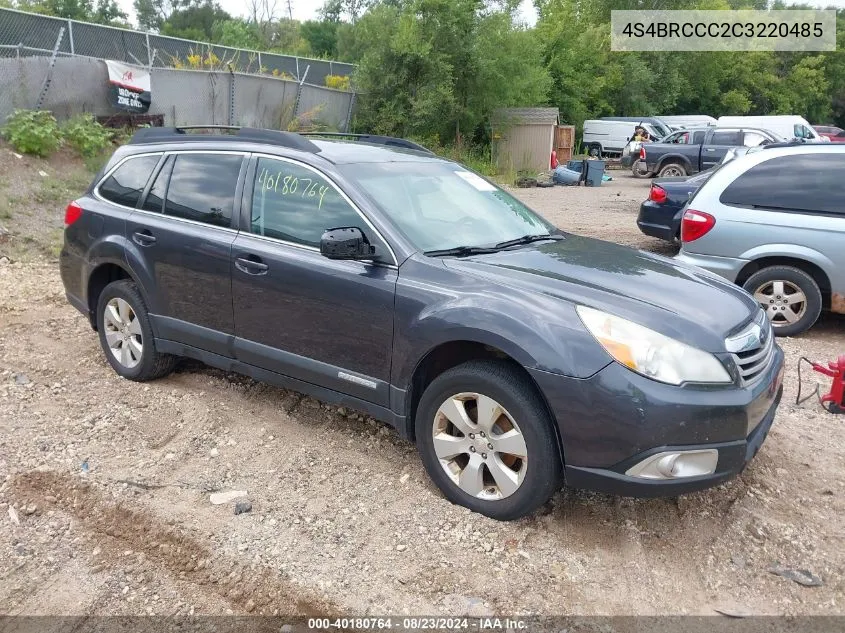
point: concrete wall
(184, 97)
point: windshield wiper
(462, 251)
(527, 239)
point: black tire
(509, 387)
(639, 170)
(672, 168)
(152, 364)
(804, 282)
(594, 150)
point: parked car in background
(688, 120)
(660, 127)
(390, 280)
(787, 126)
(830, 131)
(773, 221)
(687, 152)
(660, 214)
(609, 138)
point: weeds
(86, 136)
(32, 132)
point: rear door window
(126, 183)
(733, 137)
(805, 182)
(753, 139)
(202, 187)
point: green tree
(152, 14)
(440, 67)
(237, 33)
(195, 22)
(321, 37)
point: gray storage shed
(523, 138)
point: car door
(327, 322)
(720, 142)
(180, 242)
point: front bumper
(727, 267)
(617, 418)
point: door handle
(251, 265)
(709, 150)
(143, 238)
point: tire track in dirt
(114, 528)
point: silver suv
(773, 221)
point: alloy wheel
(784, 302)
(480, 446)
(123, 332)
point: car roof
(336, 148)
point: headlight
(652, 354)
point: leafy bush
(338, 82)
(86, 136)
(32, 132)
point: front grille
(752, 363)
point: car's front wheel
(126, 334)
(487, 440)
(791, 298)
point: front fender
(538, 331)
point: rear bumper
(617, 418)
(727, 267)
(658, 221)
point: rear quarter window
(803, 182)
(126, 183)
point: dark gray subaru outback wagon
(376, 275)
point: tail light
(696, 224)
(642, 152)
(657, 194)
(72, 213)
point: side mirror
(346, 243)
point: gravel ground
(105, 494)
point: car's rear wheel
(672, 169)
(487, 440)
(791, 298)
(126, 335)
(594, 150)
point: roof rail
(252, 135)
(375, 139)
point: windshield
(442, 205)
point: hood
(686, 303)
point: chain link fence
(57, 65)
(24, 33)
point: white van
(609, 138)
(688, 120)
(789, 126)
